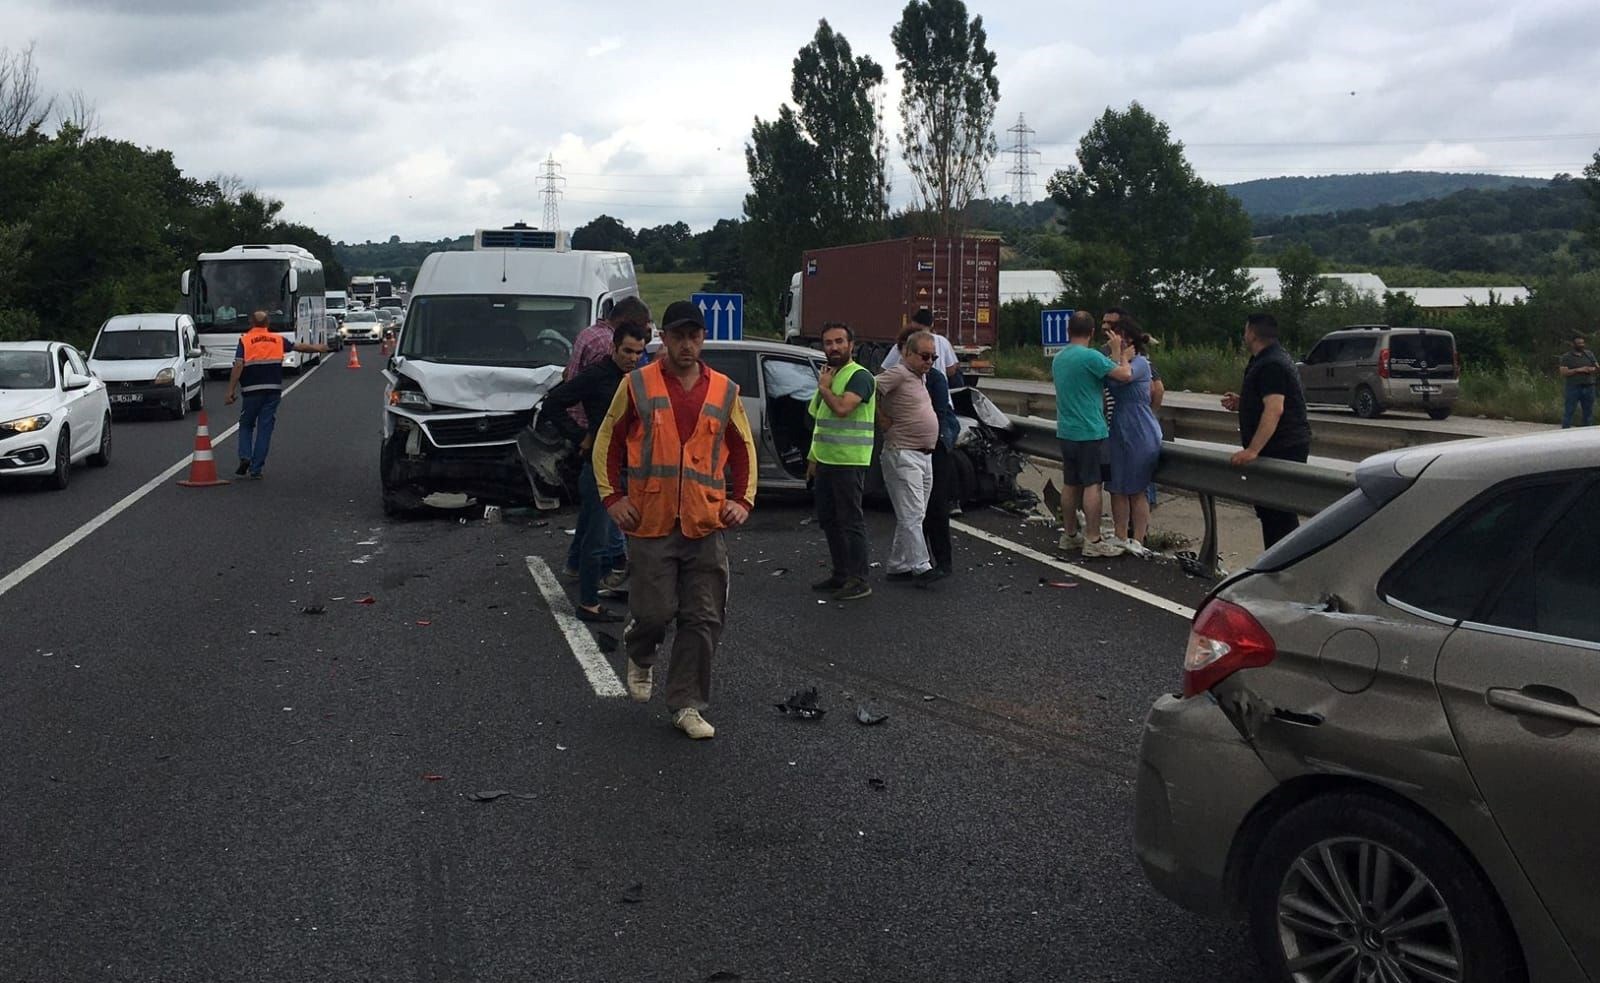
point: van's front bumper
(134, 395)
(468, 453)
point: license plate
(127, 397)
(1425, 389)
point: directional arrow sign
(1053, 329)
(723, 314)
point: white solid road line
(601, 676)
(1143, 596)
(78, 535)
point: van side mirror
(183, 283)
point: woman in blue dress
(1135, 441)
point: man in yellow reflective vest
(677, 432)
(845, 407)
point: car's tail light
(1225, 638)
(1383, 364)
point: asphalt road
(205, 783)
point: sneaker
(1105, 546)
(639, 683)
(571, 573)
(598, 616)
(955, 509)
(254, 476)
(853, 589)
(244, 465)
(1135, 548)
(833, 583)
(690, 722)
(1067, 543)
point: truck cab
(487, 334)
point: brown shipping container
(875, 287)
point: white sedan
(53, 412)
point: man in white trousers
(911, 429)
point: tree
(947, 102)
(1150, 234)
(1300, 282)
(1591, 188)
(834, 98)
(23, 108)
(603, 233)
(783, 204)
(1400, 311)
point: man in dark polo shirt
(1272, 414)
(1579, 369)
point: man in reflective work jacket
(677, 429)
(258, 374)
(845, 407)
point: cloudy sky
(426, 119)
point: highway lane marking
(78, 535)
(602, 678)
(1082, 573)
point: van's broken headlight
(410, 399)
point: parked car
(1373, 367)
(53, 413)
(361, 326)
(1386, 756)
(150, 360)
(331, 334)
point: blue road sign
(1053, 328)
(723, 313)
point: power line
(551, 179)
(1022, 165)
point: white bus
(283, 280)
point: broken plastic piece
(803, 704)
(780, 571)
(369, 599)
(314, 609)
(878, 783)
(433, 778)
(423, 623)
(489, 796)
(1047, 582)
(632, 894)
(867, 716)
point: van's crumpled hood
(130, 369)
(489, 388)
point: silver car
(1386, 756)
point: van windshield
(121, 345)
(494, 329)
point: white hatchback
(53, 413)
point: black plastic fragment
(632, 894)
(803, 704)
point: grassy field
(660, 289)
(1511, 392)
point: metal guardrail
(1205, 469)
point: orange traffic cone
(384, 350)
(203, 466)
(355, 361)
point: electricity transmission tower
(1022, 165)
(550, 182)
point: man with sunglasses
(911, 431)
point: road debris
(423, 623)
(498, 793)
(314, 609)
(723, 976)
(1064, 584)
(430, 777)
(632, 894)
(803, 704)
(369, 599)
(867, 716)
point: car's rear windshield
(1433, 348)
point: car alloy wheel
(1353, 910)
(102, 455)
(1367, 404)
(62, 475)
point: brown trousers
(674, 579)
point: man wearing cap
(677, 429)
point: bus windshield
(230, 289)
(493, 329)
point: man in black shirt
(593, 389)
(1272, 414)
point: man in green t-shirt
(1080, 373)
(1578, 368)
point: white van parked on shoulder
(150, 360)
(487, 333)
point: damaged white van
(486, 334)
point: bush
(1511, 392)
(1200, 368)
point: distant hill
(1513, 231)
(1344, 192)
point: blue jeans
(257, 417)
(616, 544)
(594, 529)
(1578, 396)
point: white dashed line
(1098, 579)
(78, 535)
(602, 678)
